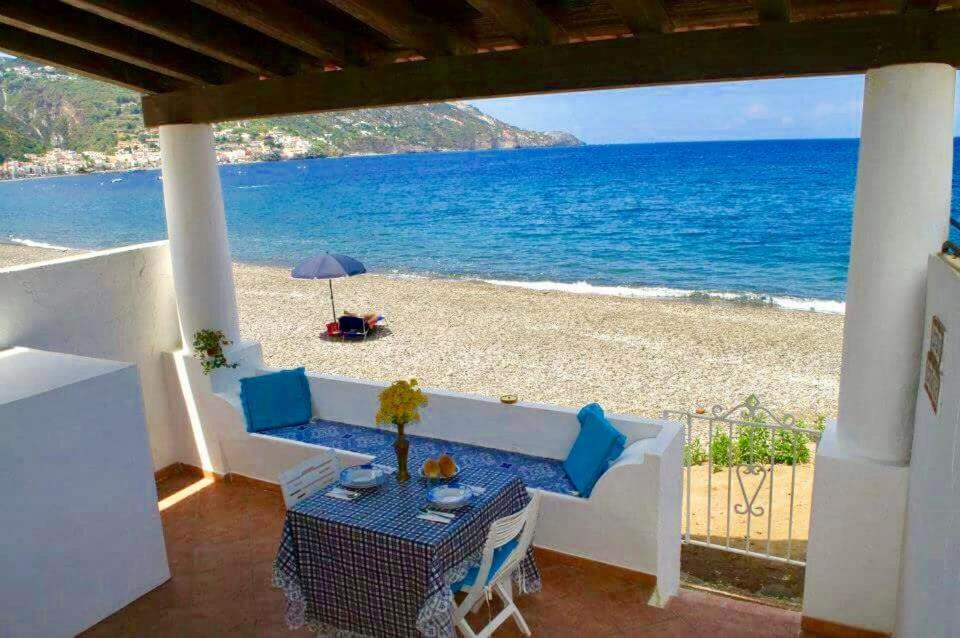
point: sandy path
(801, 487)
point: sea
(756, 222)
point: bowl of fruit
(440, 468)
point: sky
(820, 107)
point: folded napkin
(435, 518)
(342, 494)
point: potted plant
(400, 405)
(208, 347)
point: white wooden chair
(305, 479)
(507, 544)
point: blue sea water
(767, 218)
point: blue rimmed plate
(362, 477)
(450, 497)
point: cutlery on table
(433, 517)
(343, 494)
(436, 512)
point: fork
(440, 513)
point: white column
(196, 226)
(901, 215)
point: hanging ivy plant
(208, 346)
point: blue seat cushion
(275, 400)
(500, 555)
(597, 446)
(534, 471)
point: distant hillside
(42, 108)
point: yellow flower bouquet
(400, 404)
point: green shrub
(819, 424)
(755, 444)
(759, 445)
(693, 453)
(722, 451)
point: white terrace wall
(930, 585)
(115, 304)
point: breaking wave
(661, 292)
(33, 244)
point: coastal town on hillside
(136, 153)
(140, 151)
(88, 127)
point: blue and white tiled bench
(631, 518)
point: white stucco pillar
(197, 229)
(901, 216)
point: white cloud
(827, 109)
(757, 111)
(824, 109)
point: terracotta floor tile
(221, 542)
(673, 628)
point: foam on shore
(662, 292)
(826, 306)
(33, 244)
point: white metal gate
(751, 450)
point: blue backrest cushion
(597, 446)
(276, 400)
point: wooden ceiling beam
(24, 44)
(918, 5)
(773, 10)
(644, 16)
(522, 20)
(839, 46)
(195, 28)
(400, 21)
(59, 22)
(288, 24)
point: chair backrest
(349, 323)
(502, 531)
(305, 479)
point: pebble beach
(635, 356)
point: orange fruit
(447, 466)
(431, 468)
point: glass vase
(401, 446)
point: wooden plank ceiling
(214, 60)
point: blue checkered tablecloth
(370, 567)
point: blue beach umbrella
(328, 266)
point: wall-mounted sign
(932, 365)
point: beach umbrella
(328, 266)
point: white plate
(361, 477)
(449, 497)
